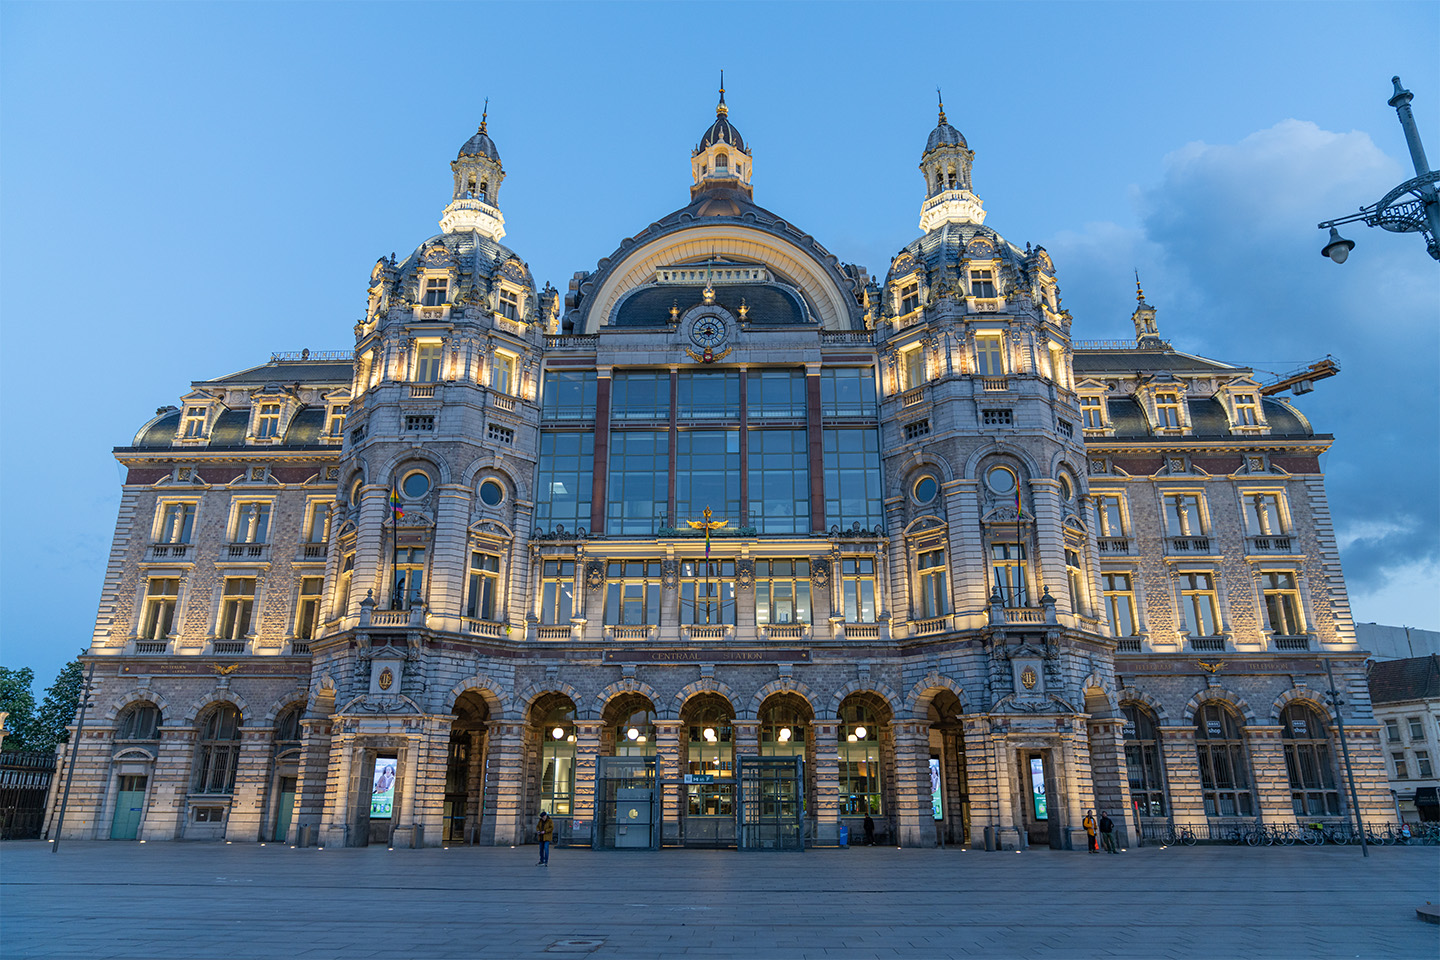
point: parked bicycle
(1276, 833)
(1173, 835)
(1318, 833)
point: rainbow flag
(395, 507)
(1019, 509)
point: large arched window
(1308, 762)
(1142, 759)
(219, 751)
(635, 728)
(557, 758)
(287, 729)
(1224, 767)
(784, 727)
(140, 721)
(860, 782)
(711, 753)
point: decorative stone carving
(745, 574)
(669, 573)
(820, 572)
(594, 574)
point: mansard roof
(334, 368)
(1398, 681)
(946, 247)
(1208, 419)
(1099, 362)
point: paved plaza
(172, 900)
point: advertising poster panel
(382, 796)
(1037, 787)
(937, 809)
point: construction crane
(1303, 380)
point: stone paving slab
(176, 901)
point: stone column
(1050, 545)
(1182, 775)
(252, 783)
(968, 566)
(827, 782)
(310, 784)
(587, 752)
(1367, 759)
(671, 771)
(747, 740)
(336, 814)
(450, 563)
(1267, 768)
(981, 777)
(913, 823)
(174, 767)
(1109, 776)
(505, 791)
(371, 546)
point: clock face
(708, 332)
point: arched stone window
(710, 751)
(287, 729)
(722, 162)
(1144, 762)
(1224, 766)
(1309, 762)
(218, 751)
(557, 754)
(632, 718)
(140, 721)
(861, 782)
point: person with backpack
(1089, 822)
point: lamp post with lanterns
(1412, 207)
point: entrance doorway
(285, 808)
(627, 807)
(465, 771)
(129, 805)
(708, 815)
(771, 804)
(1040, 810)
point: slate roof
(945, 135)
(311, 371)
(1207, 419)
(722, 131)
(1395, 681)
(766, 303)
(480, 145)
(1101, 362)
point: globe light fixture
(860, 733)
(558, 733)
(1338, 249)
(632, 734)
(785, 734)
(709, 734)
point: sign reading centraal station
(758, 655)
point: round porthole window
(1001, 480)
(491, 493)
(925, 489)
(415, 485)
(1067, 489)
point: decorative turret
(946, 167)
(478, 174)
(721, 161)
(1146, 333)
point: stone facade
(726, 499)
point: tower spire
(484, 114)
(720, 109)
(941, 100)
(1139, 293)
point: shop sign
(699, 778)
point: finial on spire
(484, 114)
(720, 108)
(941, 101)
(1139, 293)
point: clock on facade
(707, 331)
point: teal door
(285, 808)
(128, 807)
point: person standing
(1107, 832)
(1089, 822)
(546, 829)
(869, 831)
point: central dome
(480, 145)
(721, 131)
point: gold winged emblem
(1211, 667)
(226, 671)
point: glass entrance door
(128, 807)
(771, 804)
(285, 809)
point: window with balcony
(982, 283)
(1167, 411)
(632, 593)
(782, 591)
(409, 578)
(503, 378)
(194, 423)
(990, 356)
(1198, 605)
(161, 596)
(342, 589)
(1075, 581)
(317, 523)
(436, 289)
(1120, 604)
(707, 591)
(934, 601)
(177, 522)
(1092, 413)
(427, 362)
(557, 591)
(1008, 573)
(1282, 604)
(251, 523)
(483, 592)
(1264, 516)
(307, 615)
(1184, 515)
(1110, 523)
(847, 392)
(267, 421)
(857, 589)
(237, 604)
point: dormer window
(436, 289)
(909, 298)
(337, 420)
(1247, 411)
(267, 422)
(194, 422)
(427, 363)
(1092, 413)
(982, 283)
(509, 304)
(1167, 411)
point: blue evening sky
(188, 187)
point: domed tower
(478, 175)
(946, 166)
(721, 161)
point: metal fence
(24, 785)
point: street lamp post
(74, 752)
(1412, 207)
(1336, 703)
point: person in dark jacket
(546, 829)
(869, 831)
(1107, 832)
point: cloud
(1226, 245)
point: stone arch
(300, 695)
(1228, 697)
(703, 685)
(780, 685)
(1303, 694)
(132, 696)
(525, 697)
(416, 452)
(1150, 703)
(1104, 689)
(917, 704)
(880, 690)
(470, 476)
(972, 463)
(619, 688)
(134, 753)
(927, 522)
(923, 460)
(490, 691)
(211, 699)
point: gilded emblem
(387, 679)
(1029, 678)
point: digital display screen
(1037, 787)
(382, 795)
(937, 808)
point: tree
(57, 710)
(17, 700)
